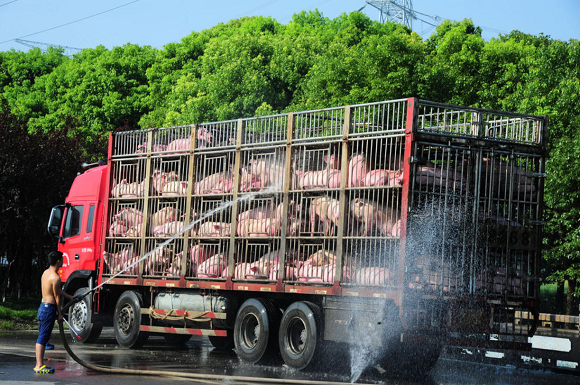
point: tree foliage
(257, 66)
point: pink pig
(198, 254)
(260, 212)
(267, 227)
(332, 161)
(174, 189)
(164, 215)
(325, 210)
(118, 229)
(246, 270)
(179, 145)
(129, 216)
(214, 267)
(218, 183)
(383, 178)
(372, 276)
(357, 170)
(373, 215)
(214, 229)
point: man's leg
(39, 356)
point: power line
(69, 23)
(10, 2)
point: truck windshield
(74, 219)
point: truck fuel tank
(194, 301)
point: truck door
(78, 238)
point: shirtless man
(49, 308)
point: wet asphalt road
(198, 356)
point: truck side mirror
(55, 221)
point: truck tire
(300, 334)
(255, 331)
(127, 321)
(223, 343)
(80, 318)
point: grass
(19, 314)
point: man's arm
(57, 292)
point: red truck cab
(77, 224)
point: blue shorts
(46, 317)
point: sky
(111, 23)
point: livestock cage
(434, 206)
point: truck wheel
(127, 320)
(300, 334)
(255, 331)
(177, 339)
(223, 343)
(412, 359)
(80, 317)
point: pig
(372, 276)
(175, 267)
(170, 229)
(135, 231)
(332, 161)
(123, 260)
(142, 148)
(293, 210)
(174, 189)
(329, 270)
(250, 271)
(317, 180)
(218, 183)
(321, 258)
(373, 215)
(128, 190)
(396, 229)
(312, 180)
(160, 261)
(357, 170)
(198, 254)
(214, 267)
(333, 179)
(248, 181)
(164, 215)
(260, 212)
(274, 272)
(162, 178)
(268, 259)
(378, 178)
(325, 210)
(205, 138)
(129, 216)
(118, 187)
(308, 272)
(267, 227)
(179, 145)
(118, 229)
(269, 172)
(214, 229)
(439, 176)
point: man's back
(49, 281)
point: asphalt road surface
(198, 356)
